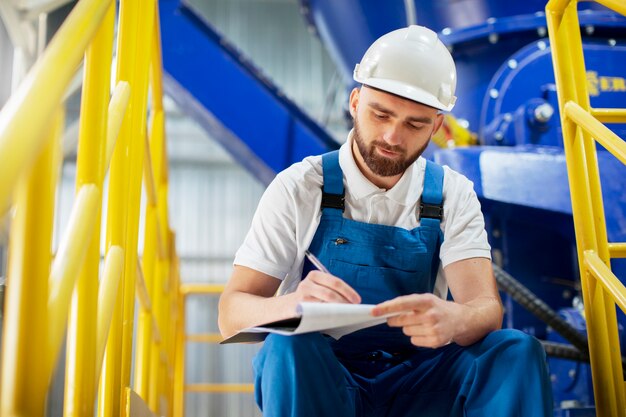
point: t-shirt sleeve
(270, 245)
(464, 226)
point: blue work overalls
(377, 371)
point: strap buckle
(335, 201)
(431, 211)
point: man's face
(390, 132)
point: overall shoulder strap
(333, 193)
(431, 204)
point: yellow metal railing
(582, 127)
(182, 338)
(48, 297)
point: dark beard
(380, 165)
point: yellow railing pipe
(144, 332)
(607, 337)
(142, 290)
(80, 368)
(189, 289)
(21, 135)
(616, 5)
(155, 348)
(117, 110)
(24, 355)
(144, 25)
(123, 208)
(152, 241)
(107, 295)
(609, 115)
(179, 368)
(607, 278)
(617, 250)
(67, 265)
(600, 132)
(588, 210)
(156, 66)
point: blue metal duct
(213, 83)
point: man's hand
(325, 288)
(428, 320)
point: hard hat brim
(406, 91)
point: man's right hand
(325, 288)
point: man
(394, 230)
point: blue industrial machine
(506, 97)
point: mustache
(384, 145)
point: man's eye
(381, 116)
(415, 127)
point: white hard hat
(412, 63)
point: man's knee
(521, 344)
(289, 346)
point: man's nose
(392, 135)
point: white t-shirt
(289, 213)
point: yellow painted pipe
(22, 136)
(124, 189)
(67, 265)
(143, 337)
(155, 375)
(144, 325)
(80, 362)
(607, 335)
(156, 66)
(191, 289)
(179, 367)
(600, 132)
(560, 39)
(587, 207)
(142, 290)
(609, 115)
(617, 250)
(148, 175)
(615, 5)
(607, 278)
(557, 6)
(117, 110)
(140, 34)
(107, 296)
(24, 382)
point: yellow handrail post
(586, 195)
(179, 367)
(22, 135)
(155, 349)
(107, 295)
(138, 67)
(144, 326)
(24, 377)
(124, 197)
(67, 265)
(80, 388)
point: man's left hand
(428, 320)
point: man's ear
(438, 122)
(354, 101)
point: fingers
(412, 302)
(328, 288)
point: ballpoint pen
(316, 262)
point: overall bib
(377, 371)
